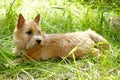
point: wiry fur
(54, 45)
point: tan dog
(37, 45)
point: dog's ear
(37, 19)
(21, 21)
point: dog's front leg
(16, 51)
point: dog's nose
(38, 41)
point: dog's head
(27, 33)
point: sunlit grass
(59, 16)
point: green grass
(59, 16)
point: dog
(37, 45)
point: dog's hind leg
(97, 38)
(96, 52)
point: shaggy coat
(37, 45)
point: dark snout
(38, 41)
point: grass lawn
(61, 16)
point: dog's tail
(98, 39)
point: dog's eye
(29, 32)
(39, 32)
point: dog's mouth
(36, 45)
(29, 46)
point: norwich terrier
(36, 44)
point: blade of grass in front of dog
(31, 78)
(78, 74)
(70, 53)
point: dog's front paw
(16, 51)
